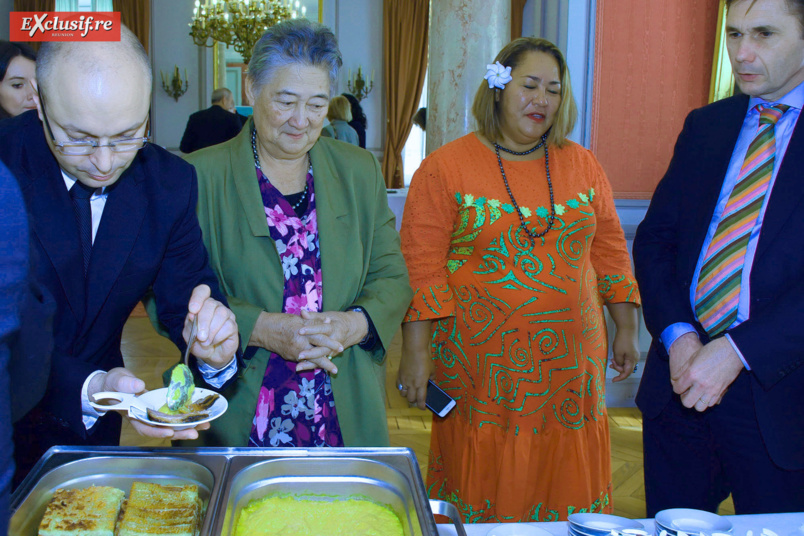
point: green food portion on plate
(180, 389)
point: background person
(304, 244)
(216, 124)
(111, 217)
(420, 118)
(720, 257)
(513, 245)
(339, 115)
(13, 275)
(17, 70)
(359, 121)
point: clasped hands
(216, 343)
(701, 374)
(312, 339)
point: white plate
(517, 529)
(689, 520)
(660, 528)
(642, 531)
(602, 523)
(575, 531)
(136, 406)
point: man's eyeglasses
(83, 148)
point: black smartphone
(438, 401)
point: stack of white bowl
(676, 521)
(603, 525)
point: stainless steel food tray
(66, 467)
(229, 477)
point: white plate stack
(602, 525)
(676, 521)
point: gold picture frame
(722, 83)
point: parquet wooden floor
(148, 355)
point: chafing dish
(71, 467)
(228, 478)
(335, 476)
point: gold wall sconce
(358, 86)
(174, 86)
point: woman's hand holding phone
(438, 401)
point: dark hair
(795, 7)
(420, 118)
(357, 110)
(9, 51)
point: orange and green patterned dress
(519, 335)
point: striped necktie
(717, 295)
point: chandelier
(239, 23)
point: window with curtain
(413, 153)
(84, 5)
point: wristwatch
(368, 341)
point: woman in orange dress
(513, 246)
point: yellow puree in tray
(283, 515)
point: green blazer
(361, 264)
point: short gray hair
(220, 94)
(54, 52)
(294, 41)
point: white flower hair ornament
(498, 75)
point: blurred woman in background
(359, 121)
(339, 115)
(17, 70)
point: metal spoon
(191, 341)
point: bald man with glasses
(111, 217)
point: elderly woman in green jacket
(301, 237)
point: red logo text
(65, 26)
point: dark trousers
(694, 460)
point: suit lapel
(713, 164)
(53, 222)
(332, 205)
(123, 215)
(787, 191)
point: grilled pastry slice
(153, 509)
(91, 511)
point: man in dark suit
(214, 125)
(720, 263)
(13, 274)
(111, 216)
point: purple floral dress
(295, 409)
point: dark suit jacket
(210, 127)
(13, 273)
(149, 236)
(666, 249)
